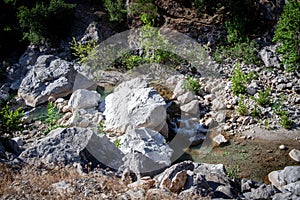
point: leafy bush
(81, 51)
(145, 9)
(263, 98)
(51, 118)
(244, 52)
(42, 22)
(285, 122)
(288, 34)
(256, 112)
(192, 84)
(242, 109)
(115, 9)
(10, 120)
(239, 80)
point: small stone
(220, 139)
(84, 123)
(227, 127)
(246, 120)
(295, 155)
(18, 140)
(51, 99)
(59, 100)
(281, 86)
(289, 85)
(282, 147)
(250, 90)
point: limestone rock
(220, 139)
(191, 108)
(50, 77)
(134, 104)
(295, 155)
(149, 143)
(289, 174)
(83, 98)
(75, 145)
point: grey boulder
(51, 77)
(154, 154)
(288, 175)
(75, 145)
(82, 99)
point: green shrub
(115, 9)
(240, 79)
(145, 9)
(46, 21)
(285, 122)
(10, 120)
(244, 52)
(256, 112)
(81, 51)
(263, 98)
(192, 84)
(288, 34)
(242, 109)
(50, 119)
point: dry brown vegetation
(36, 182)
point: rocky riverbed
(155, 131)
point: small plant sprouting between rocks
(240, 79)
(81, 51)
(283, 115)
(51, 118)
(242, 109)
(192, 83)
(256, 112)
(101, 127)
(10, 120)
(233, 171)
(263, 98)
(117, 143)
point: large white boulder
(134, 104)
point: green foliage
(115, 9)
(263, 98)
(10, 120)
(192, 84)
(234, 31)
(101, 127)
(81, 51)
(145, 9)
(242, 109)
(244, 52)
(51, 118)
(240, 79)
(233, 171)
(43, 21)
(285, 122)
(288, 34)
(256, 112)
(117, 143)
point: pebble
(295, 154)
(282, 147)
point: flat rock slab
(75, 145)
